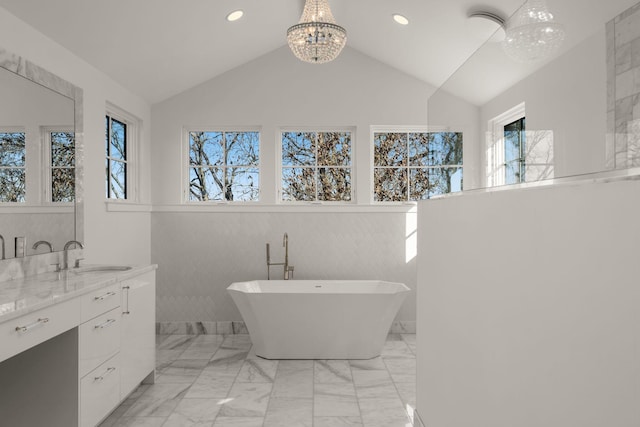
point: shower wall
(623, 89)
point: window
(12, 166)
(410, 166)
(514, 152)
(224, 166)
(62, 151)
(316, 166)
(116, 141)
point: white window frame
(186, 148)
(495, 169)
(47, 182)
(396, 129)
(134, 126)
(318, 129)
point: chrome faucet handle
(76, 264)
(58, 269)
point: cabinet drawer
(34, 328)
(99, 392)
(100, 301)
(98, 340)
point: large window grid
(411, 166)
(12, 166)
(224, 166)
(316, 166)
(116, 141)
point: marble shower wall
(199, 254)
(623, 89)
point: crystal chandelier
(316, 38)
(532, 33)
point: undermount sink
(100, 269)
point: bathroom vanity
(74, 344)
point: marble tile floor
(217, 381)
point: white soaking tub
(318, 319)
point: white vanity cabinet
(98, 347)
(73, 348)
(137, 343)
(117, 347)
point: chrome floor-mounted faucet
(288, 269)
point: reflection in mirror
(38, 158)
(574, 113)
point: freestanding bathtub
(318, 319)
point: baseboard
(201, 328)
(238, 327)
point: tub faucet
(288, 269)
(43, 242)
(65, 259)
(2, 238)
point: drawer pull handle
(32, 325)
(103, 376)
(127, 288)
(105, 324)
(105, 296)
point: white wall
(200, 254)
(109, 237)
(569, 97)
(528, 308)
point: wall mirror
(40, 157)
(573, 113)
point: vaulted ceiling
(158, 48)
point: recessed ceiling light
(400, 19)
(235, 15)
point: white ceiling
(159, 48)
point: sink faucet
(288, 269)
(2, 238)
(65, 259)
(42, 242)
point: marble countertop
(25, 295)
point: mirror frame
(36, 74)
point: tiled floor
(217, 381)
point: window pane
(206, 148)
(298, 148)
(62, 149)
(12, 149)
(242, 148)
(118, 140)
(419, 183)
(419, 150)
(390, 185)
(12, 185)
(334, 148)
(117, 180)
(445, 149)
(244, 184)
(513, 172)
(62, 185)
(334, 184)
(298, 184)
(206, 184)
(390, 149)
(445, 180)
